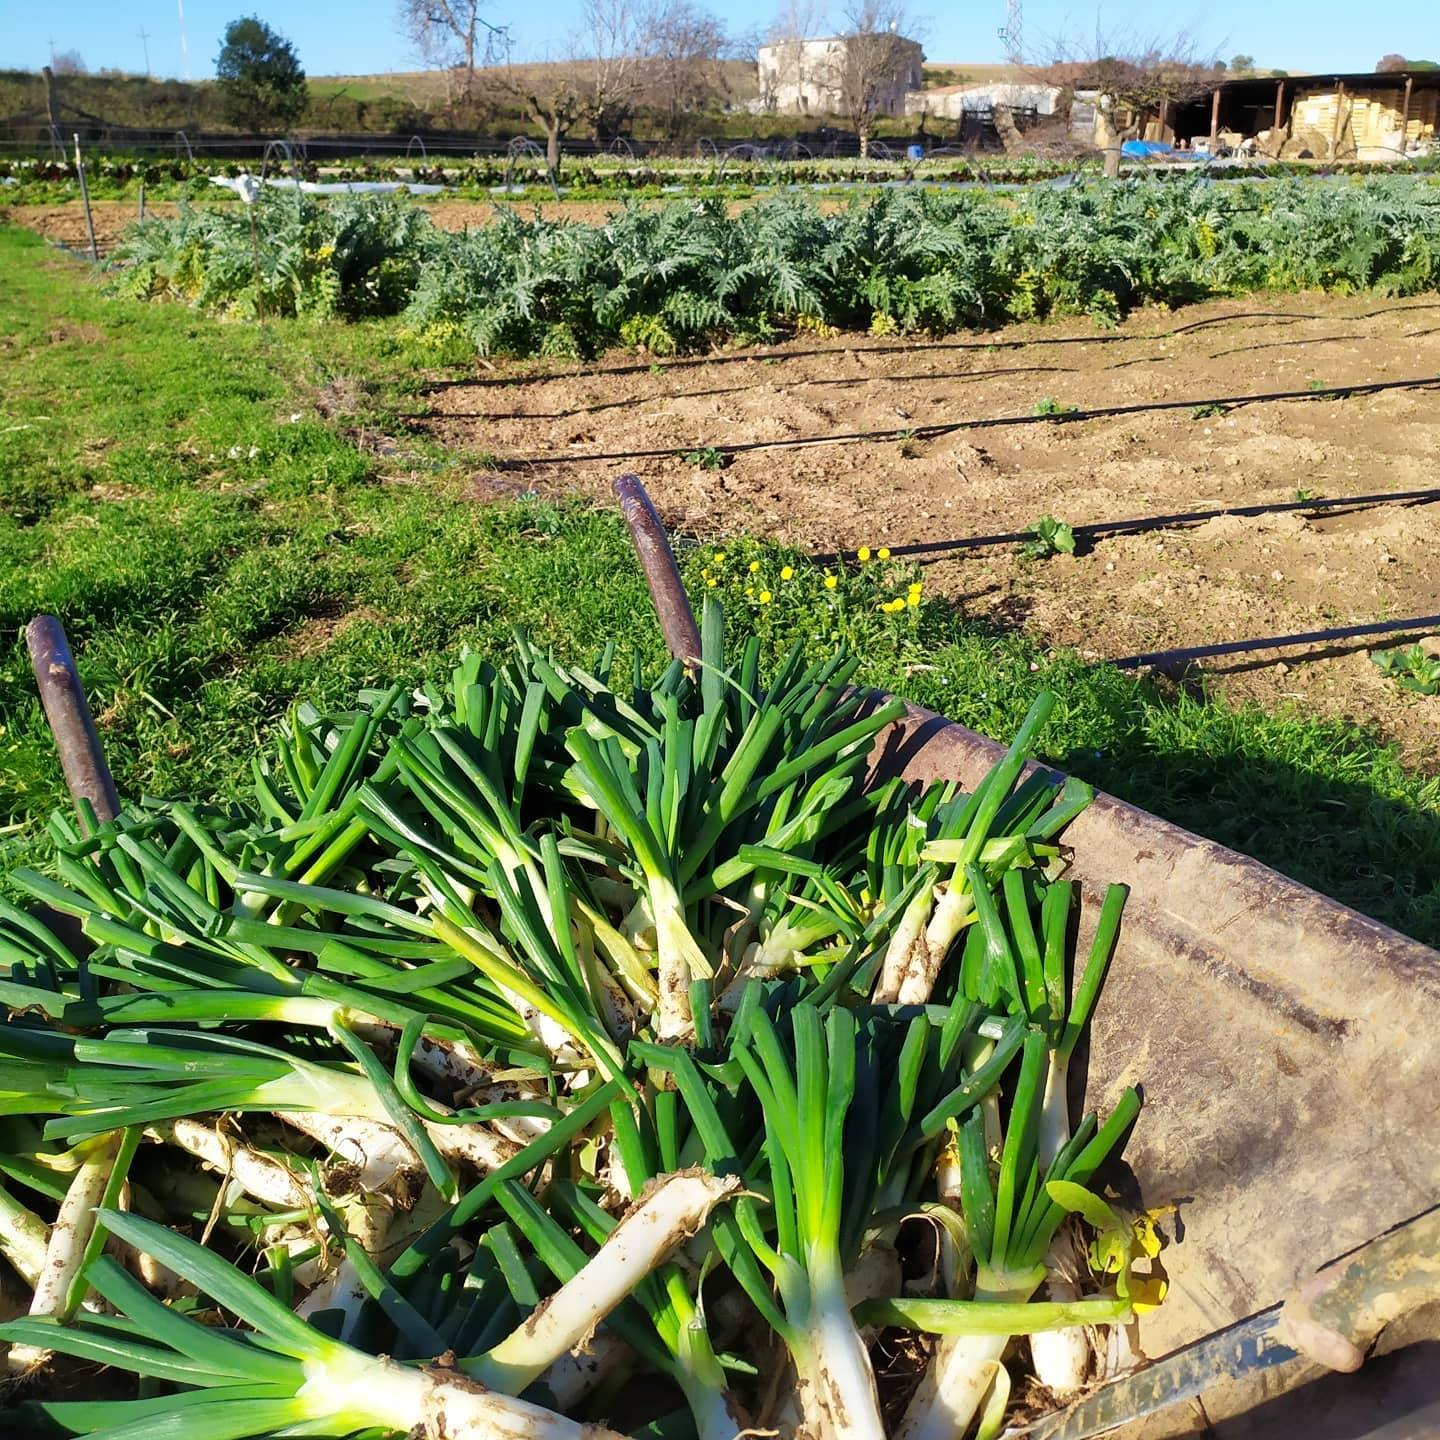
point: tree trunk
(52, 105)
(863, 131)
(1107, 138)
(552, 150)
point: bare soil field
(1229, 578)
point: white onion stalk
(1055, 1108)
(56, 1286)
(962, 1370)
(296, 1378)
(24, 1238)
(628, 965)
(804, 1112)
(773, 955)
(382, 1152)
(659, 916)
(260, 1176)
(678, 958)
(1011, 1221)
(352, 1391)
(913, 960)
(1061, 1357)
(907, 953)
(582, 1368)
(668, 1213)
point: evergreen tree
(260, 76)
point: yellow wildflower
(754, 567)
(711, 583)
(719, 557)
(1118, 1243)
(831, 582)
(913, 600)
(787, 572)
(863, 553)
(766, 597)
(883, 552)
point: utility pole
(1011, 32)
(145, 41)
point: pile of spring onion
(562, 1053)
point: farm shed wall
(1370, 117)
(951, 101)
(1325, 117)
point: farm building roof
(1357, 80)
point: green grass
(213, 559)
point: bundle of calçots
(560, 1050)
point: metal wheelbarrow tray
(1288, 1050)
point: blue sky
(360, 36)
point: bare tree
(599, 81)
(688, 45)
(1131, 79)
(550, 95)
(451, 35)
(1388, 64)
(875, 64)
(69, 62)
(620, 37)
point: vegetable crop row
(687, 274)
(560, 1049)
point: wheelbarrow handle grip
(1340, 1311)
(657, 560)
(71, 723)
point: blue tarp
(1146, 148)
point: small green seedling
(1052, 537)
(1303, 495)
(708, 457)
(656, 368)
(1052, 407)
(909, 447)
(1208, 411)
(1410, 668)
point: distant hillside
(940, 73)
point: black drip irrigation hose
(1150, 522)
(949, 427)
(1273, 642)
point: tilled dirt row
(1227, 579)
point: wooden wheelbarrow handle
(652, 545)
(71, 723)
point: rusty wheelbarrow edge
(1191, 890)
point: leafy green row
(545, 1031)
(688, 274)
